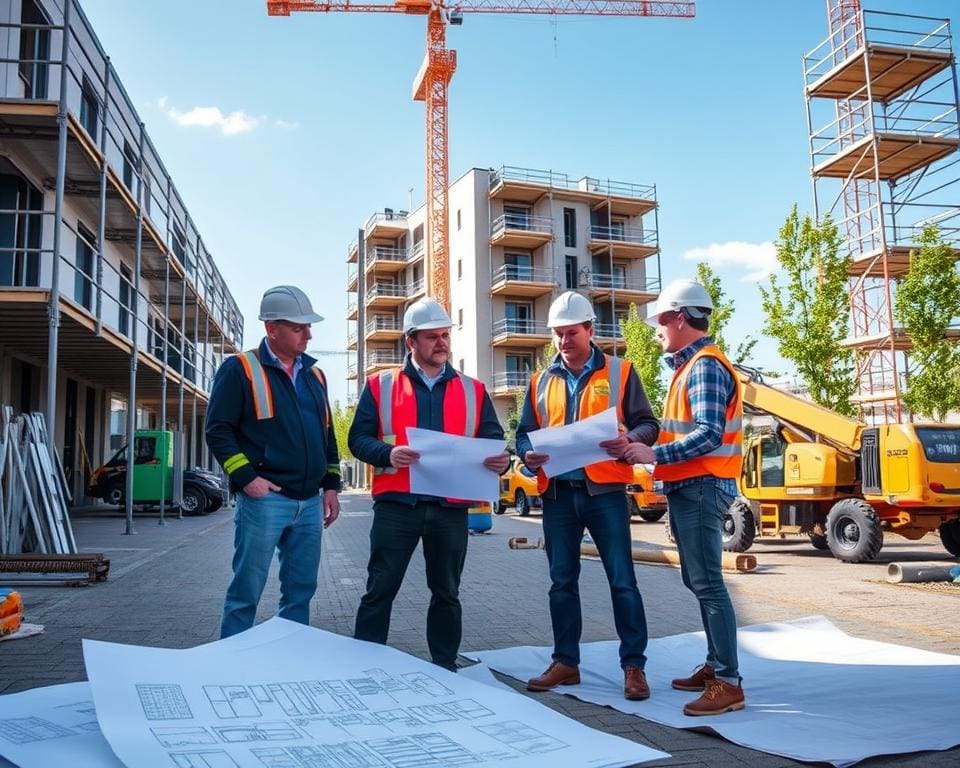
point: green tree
(925, 304)
(808, 314)
(644, 351)
(342, 419)
(722, 312)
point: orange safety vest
(604, 389)
(726, 459)
(396, 401)
(260, 384)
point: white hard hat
(287, 302)
(681, 294)
(425, 314)
(570, 308)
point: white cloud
(759, 259)
(211, 117)
(286, 124)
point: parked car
(645, 497)
(518, 488)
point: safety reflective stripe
(615, 364)
(726, 450)
(262, 396)
(470, 395)
(543, 384)
(679, 427)
(234, 463)
(386, 415)
(323, 382)
(333, 469)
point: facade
(112, 312)
(518, 238)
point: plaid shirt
(710, 388)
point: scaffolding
(883, 121)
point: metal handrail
(633, 235)
(511, 379)
(382, 324)
(382, 357)
(607, 331)
(385, 253)
(556, 180)
(521, 222)
(513, 325)
(386, 290)
(400, 217)
(523, 274)
(617, 282)
(416, 288)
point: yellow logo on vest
(602, 387)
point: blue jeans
(696, 518)
(605, 517)
(293, 529)
(396, 530)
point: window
(418, 238)
(458, 219)
(34, 51)
(771, 462)
(618, 229)
(131, 165)
(569, 227)
(89, 107)
(619, 275)
(83, 276)
(518, 266)
(519, 315)
(178, 243)
(459, 269)
(516, 216)
(519, 367)
(570, 270)
(460, 323)
(126, 282)
(20, 231)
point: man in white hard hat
(269, 425)
(698, 458)
(427, 392)
(580, 382)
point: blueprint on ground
(312, 698)
(813, 692)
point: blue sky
(308, 126)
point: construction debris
(77, 570)
(520, 542)
(730, 561)
(916, 573)
(33, 489)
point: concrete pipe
(915, 573)
(730, 561)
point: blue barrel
(480, 519)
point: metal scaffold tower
(883, 120)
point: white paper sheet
(577, 445)
(813, 692)
(452, 465)
(315, 697)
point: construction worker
(269, 426)
(580, 382)
(698, 458)
(427, 393)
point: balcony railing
(605, 281)
(631, 235)
(416, 289)
(383, 324)
(511, 379)
(607, 331)
(385, 253)
(386, 290)
(511, 325)
(382, 357)
(524, 274)
(555, 180)
(398, 218)
(520, 222)
(417, 250)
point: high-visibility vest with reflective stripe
(396, 400)
(723, 461)
(260, 385)
(604, 389)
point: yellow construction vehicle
(810, 471)
(645, 497)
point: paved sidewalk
(167, 582)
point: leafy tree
(925, 304)
(722, 312)
(644, 351)
(808, 314)
(342, 419)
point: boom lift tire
(739, 528)
(950, 536)
(819, 541)
(651, 515)
(853, 531)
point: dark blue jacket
(284, 449)
(364, 441)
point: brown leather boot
(718, 697)
(697, 681)
(635, 686)
(556, 674)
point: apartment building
(518, 238)
(109, 302)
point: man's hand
(403, 456)
(535, 460)
(639, 453)
(331, 508)
(259, 487)
(498, 463)
(616, 447)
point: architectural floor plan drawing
(298, 697)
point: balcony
(416, 290)
(518, 231)
(513, 332)
(606, 286)
(515, 280)
(608, 335)
(529, 185)
(389, 223)
(385, 259)
(378, 359)
(417, 251)
(351, 279)
(624, 242)
(351, 338)
(383, 329)
(385, 295)
(506, 384)
(352, 251)
(352, 309)
(352, 368)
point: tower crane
(433, 80)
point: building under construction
(112, 312)
(883, 118)
(518, 238)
